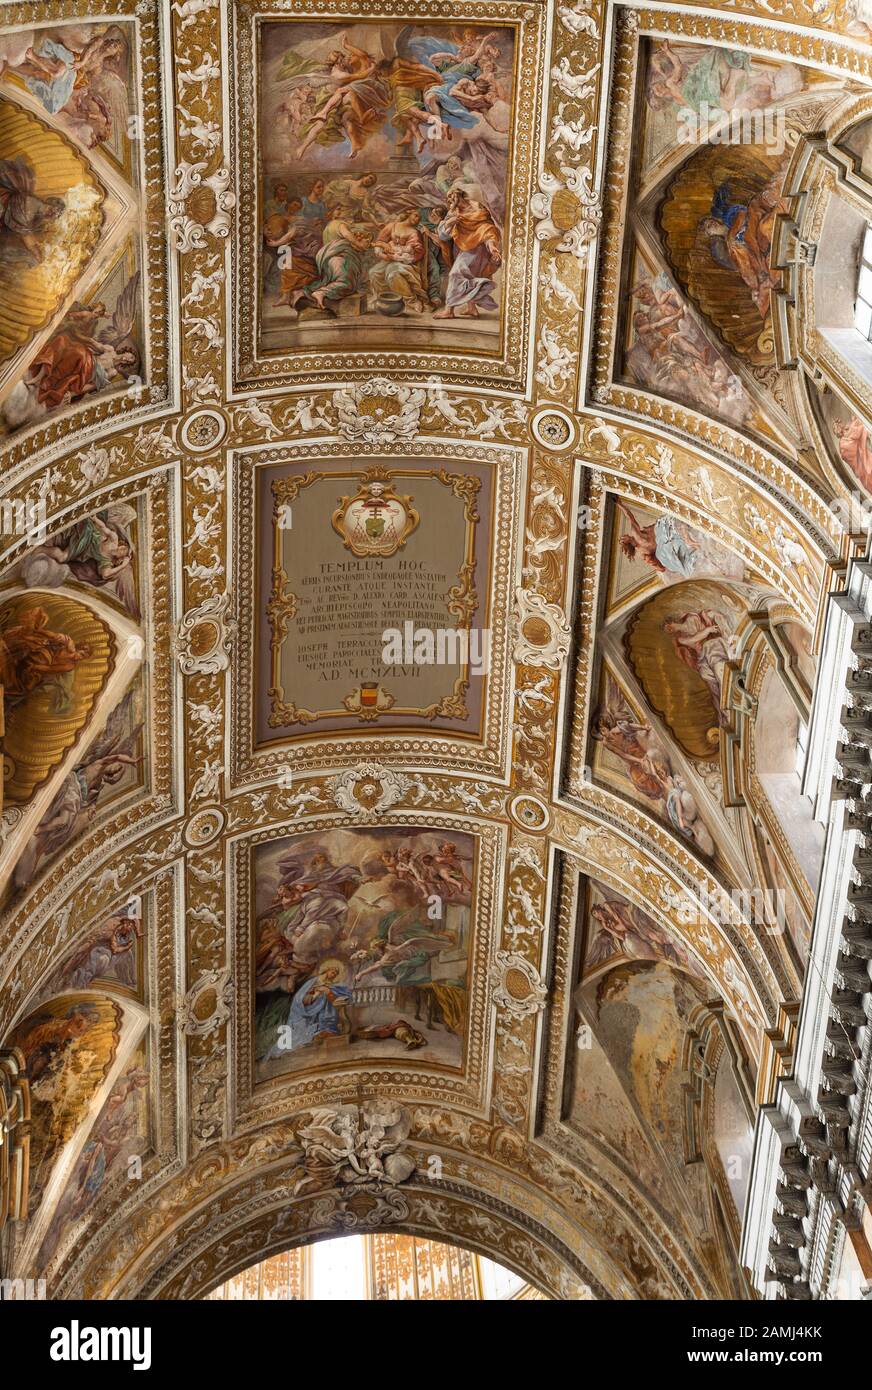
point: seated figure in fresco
(401, 262)
(111, 955)
(665, 333)
(646, 763)
(740, 236)
(79, 358)
(32, 655)
(75, 72)
(340, 271)
(24, 216)
(649, 768)
(701, 641)
(18, 53)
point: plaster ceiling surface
(417, 521)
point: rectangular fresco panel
(384, 158)
(361, 948)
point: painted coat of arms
(376, 521)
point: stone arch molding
(180, 1243)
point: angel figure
(738, 233)
(356, 106)
(328, 1142)
(97, 550)
(436, 69)
(307, 416)
(76, 73)
(402, 951)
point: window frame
(863, 296)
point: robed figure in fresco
(855, 447)
(739, 233)
(318, 1008)
(24, 216)
(701, 641)
(80, 358)
(477, 255)
(662, 545)
(357, 106)
(31, 655)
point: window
(863, 302)
(801, 748)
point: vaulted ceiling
(424, 464)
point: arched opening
(376, 1267)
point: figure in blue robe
(671, 549)
(316, 1008)
(55, 93)
(433, 53)
(726, 211)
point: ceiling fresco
(384, 934)
(424, 472)
(379, 164)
